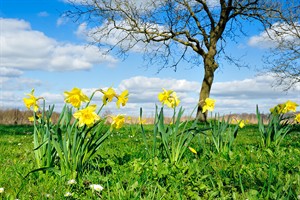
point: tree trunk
(209, 69)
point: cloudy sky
(41, 49)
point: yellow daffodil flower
(75, 97)
(209, 105)
(169, 98)
(242, 124)
(87, 116)
(118, 121)
(109, 94)
(173, 101)
(297, 118)
(163, 96)
(31, 102)
(290, 106)
(122, 98)
(193, 150)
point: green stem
(100, 109)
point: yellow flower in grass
(31, 119)
(208, 105)
(193, 150)
(109, 94)
(122, 98)
(75, 97)
(297, 118)
(142, 121)
(87, 116)
(169, 98)
(242, 124)
(118, 121)
(32, 101)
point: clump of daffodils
(88, 115)
(76, 141)
(283, 108)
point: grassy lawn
(125, 171)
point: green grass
(125, 172)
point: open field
(126, 172)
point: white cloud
(279, 33)
(4, 71)
(213, 3)
(261, 41)
(109, 35)
(243, 96)
(144, 90)
(82, 31)
(25, 49)
(62, 20)
(18, 83)
(141, 5)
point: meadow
(124, 170)
(76, 154)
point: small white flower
(71, 182)
(47, 195)
(1, 190)
(68, 194)
(96, 187)
(298, 197)
(19, 144)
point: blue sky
(41, 49)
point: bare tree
(170, 31)
(283, 61)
